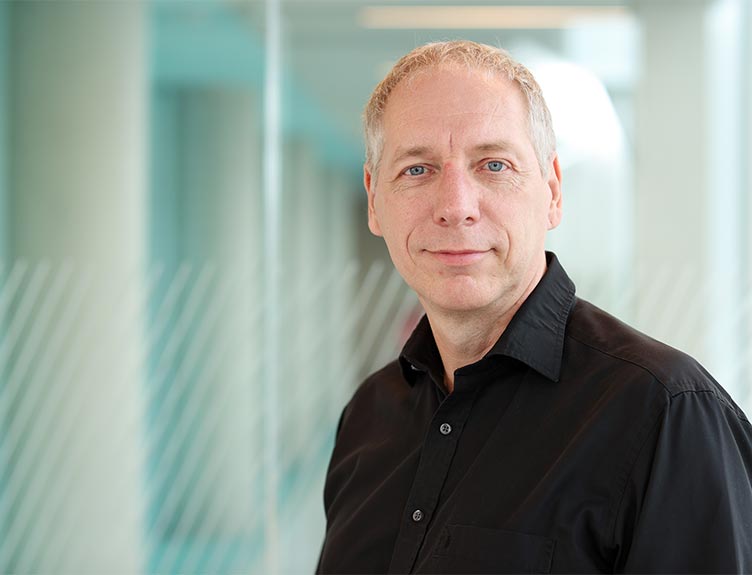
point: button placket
(435, 461)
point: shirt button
(417, 515)
(445, 429)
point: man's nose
(456, 199)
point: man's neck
(463, 338)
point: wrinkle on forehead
(435, 111)
(429, 130)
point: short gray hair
(471, 55)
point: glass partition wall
(189, 293)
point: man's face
(459, 196)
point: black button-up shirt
(576, 444)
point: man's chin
(460, 300)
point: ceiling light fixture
(483, 17)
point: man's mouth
(463, 257)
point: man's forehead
(441, 106)
(450, 74)
(454, 96)
(430, 132)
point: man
(522, 429)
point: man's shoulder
(385, 381)
(644, 364)
(382, 389)
(613, 340)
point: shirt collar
(535, 336)
(420, 354)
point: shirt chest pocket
(469, 549)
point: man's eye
(496, 166)
(415, 171)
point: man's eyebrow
(402, 153)
(497, 146)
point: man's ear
(554, 186)
(370, 184)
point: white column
(724, 196)
(671, 238)
(689, 240)
(72, 395)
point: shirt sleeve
(687, 506)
